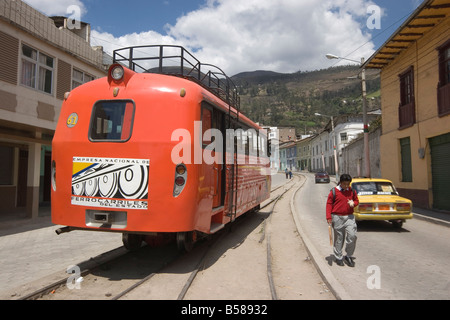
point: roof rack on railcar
(177, 61)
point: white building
(274, 136)
(346, 129)
(319, 148)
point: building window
(405, 153)
(444, 80)
(344, 137)
(407, 112)
(80, 77)
(37, 69)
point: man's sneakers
(339, 262)
(348, 261)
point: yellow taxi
(379, 200)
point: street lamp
(334, 145)
(364, 107)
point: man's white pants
(344, 228)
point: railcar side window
(112, 121)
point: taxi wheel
(397, 224)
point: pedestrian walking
(339, 213)
(290, 174)
(287, 173)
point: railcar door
(213, 144)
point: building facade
(415, 93)
(327, 147)
(42, 59)
(304, 154)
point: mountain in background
(290, 100)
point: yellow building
(415, 97)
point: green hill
(290, 100)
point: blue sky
(158, 14)
(243, 35)
(144, 14)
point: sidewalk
(31, 250)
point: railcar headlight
(181, 169)
(180, 179)
(117, 73)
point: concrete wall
(352, 156)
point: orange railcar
(164, 151)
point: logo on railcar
(110, 182)
(72, 120)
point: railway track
(164, 273)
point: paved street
(31, 250)
(412, 262)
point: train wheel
(186, 240)
(131, 241)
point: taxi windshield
(374, 187)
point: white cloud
(283, 36)
(59, 7)
(246, 35)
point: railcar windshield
(112, 121)
(372, 187)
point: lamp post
(364, 107)
(334, 145)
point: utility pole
(364, 107)
(366, 126)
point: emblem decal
(72, 120)
(110, 182)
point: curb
(431, 219)
(336, 288)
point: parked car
(322, 176)
(379, 200)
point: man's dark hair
(345, 177)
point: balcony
(407, 115)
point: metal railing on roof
(177, 61)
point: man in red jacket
(340, 215)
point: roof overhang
(424, 18)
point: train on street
(157, 149)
